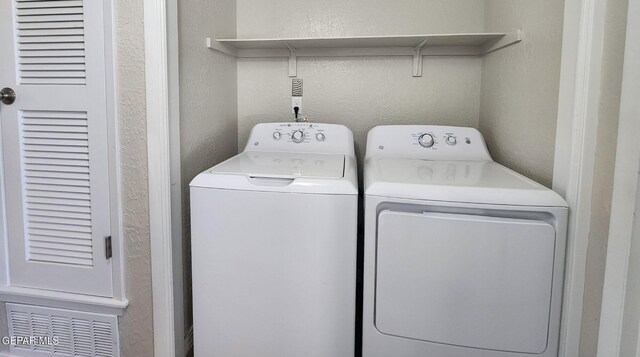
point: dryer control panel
(301, 137)
(431, 142)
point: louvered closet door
(54, 144)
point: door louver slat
(44, 55)
(50, 25)
(49, 38)
(44, 3)
(36, 160)
(41, 233)
(46, 11)
(44, 239)
(57, 246)
(27, 33)
(59, 192)
(52, 208)
(53, 17)
(34, 67)
(57, 188)
(56, 175)
(34, 61)
(58, 149)
(48, 32)
(48, 46)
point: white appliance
(463, 257)
(273, 239)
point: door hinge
(108, 251)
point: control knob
(451, 140)
(277, 135)
(320, 137)
(297, 136)
(426, 140)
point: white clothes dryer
(463, 256)
(273, 239)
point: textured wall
(519, 94)
(359, 92)
(136, 326)
(613, 57)
(208, 107)
(328, 18)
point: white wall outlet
(296, 87)
(296, 102)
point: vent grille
(55, 161)
(51, 47)
(78, 334)
(20, 326)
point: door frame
(163, 133)
(620, 314)
(575, 149)
(573, 162)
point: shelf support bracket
(293, 67)
(215, 45)
(417, 58)
(508, 40)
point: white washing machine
(463, 257)
(273, 239)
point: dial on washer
(297, 136)
(426, 140)
(451, 140)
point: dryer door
(471, 281)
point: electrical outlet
(296, 87)
(296, 102)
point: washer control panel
(429, 139)
(300, 137)
(300, 133)
(433, 142)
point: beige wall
(365, 91)
(360, 93)
(330, 18)
(136, 326)
(613, 56)
(519, 94)
(208, 107)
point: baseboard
(188, 342)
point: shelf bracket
(417, 58)
(508, 40)
(293, 66)
(215, 45)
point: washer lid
(283, 165)
(455, 181)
